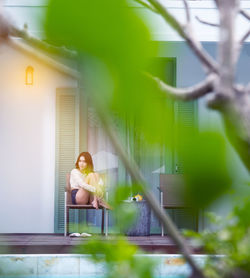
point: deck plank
(58, 244)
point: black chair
(171, 192)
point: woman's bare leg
(82, 197)
(94, 201)
(102, 203)
(97, 202)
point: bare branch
(194, 92)
(245, 14)
(4, 27)
(187, 10)
(195, 45)
(206, 22)
(145, 4)
(239, 45)
(244, 37)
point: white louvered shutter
(67, 130)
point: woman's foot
(104, 204)
(95, 203)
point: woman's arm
(95, 180)
(77, 179)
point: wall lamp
(29, 75)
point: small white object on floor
(80, 235)
(85, 235)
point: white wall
(32, 13)
(27, 143)
(206, 11)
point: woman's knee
(82, 196)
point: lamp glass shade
(29, 78)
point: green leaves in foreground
(204, 158)
(115, 52)
(119, 256)
(124, 212)
(231, 238)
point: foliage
(114, 45)
(230, 239)
(119, 256)
(207, 175)
(124, 212)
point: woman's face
(81, 163)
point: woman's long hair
(88, 160)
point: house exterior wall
(27, 143)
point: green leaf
(115, 50)
(206, 173)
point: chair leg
(65, 213)
(102, 221)
(106, 216)
(67, 223)
(106, 222)
(162, 228)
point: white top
(77, 180)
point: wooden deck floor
(58, 244)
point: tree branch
(195, 45)
(4, 27)
(194, 92)
(244, 37)
(240, 44)
(143, 3)
(187, 10)
(245, 14)
(206, 22)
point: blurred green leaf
(119, 255)
(206, 174)
(124, 212)
(119, 194)
(125, 215)
(115, 51)
(242, 212)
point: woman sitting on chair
(86, 186)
